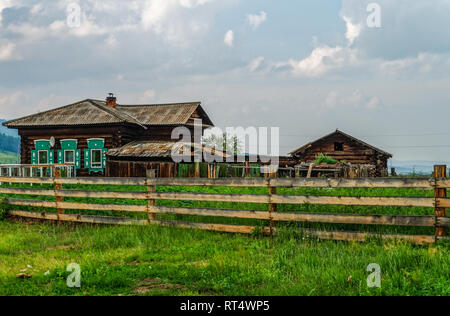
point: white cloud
(353, 30)
(8, 52)
(229, 38)
(423, 63)
(321, 60)
(255, 20)
(256, 64)
(3, 5)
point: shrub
(321, 158)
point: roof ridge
(344, 134)
(117, 113)
(48, 111)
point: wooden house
(82, 133)
(346, 148)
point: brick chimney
(111, 100)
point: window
(43, 157)
(96, 158)
(338, 146)
(69, 156)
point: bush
(321, 158)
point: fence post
(58, 187)
(197, 169)
(151, 203)
(440, 172)
(272, 206)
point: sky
(378, 70)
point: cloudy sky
(306, 66)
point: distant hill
(9, 143)
(6, 131)
(424, 167)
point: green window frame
(95, 155)
(42, 154)
(69, 146)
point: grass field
(169, 261)
(7, 157)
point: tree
(230, 144)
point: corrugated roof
(157, 149)
(92, 112)
(308, 145)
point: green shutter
(104, 158)
(60, 158)
(78, 158)
(51, 157)
(34, 157)
(87, 159)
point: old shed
(343, 147)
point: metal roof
(304, 148)
(94, 112)
(158, 149)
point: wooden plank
(392, 220)
(59, 198)
(79, 193)
(244, 198)
(109, 220)
(104, 194)
(222, 182)
(343, 236)
(443, 221)
(26, 180)
(354, 183)
(151, 203)
(363, 201)
(27, 191)
(252, 182)
(361, 237)
(213, 227)
(78, 206)
(212, 212)
(88, 219)
(440, 172)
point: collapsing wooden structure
(347, 150)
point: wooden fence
(439, 202)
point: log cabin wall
(352, 152)
(115, 136)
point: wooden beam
(440, 172)
(355, 201)
(77, 206)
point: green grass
(8, 157)
(169, 261)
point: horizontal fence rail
(439, 202)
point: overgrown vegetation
(170, 261)
(321, 158)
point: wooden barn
(343, 147)
(82, 133)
